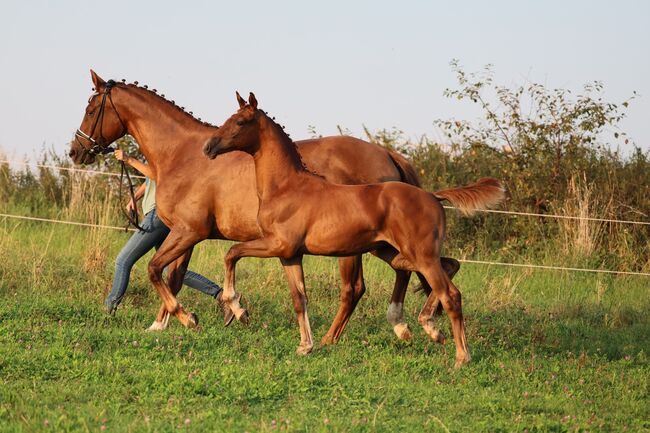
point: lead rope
(131, 216)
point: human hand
(120, 155)
(130, 206)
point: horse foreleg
(178, 243)
(296, 279)
(176, 273)
(352, 289)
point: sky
(382, 64)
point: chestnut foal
(301, 213)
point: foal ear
(97, 80)
(240, 100)
(252, 101)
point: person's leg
(191, 279)
(201, 283)
(139, 244)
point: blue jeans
(140, 244)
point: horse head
(101, 124)
(239, 132)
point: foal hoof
(439, 337)
(304, 350)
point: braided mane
(154, 92)
(293, 143)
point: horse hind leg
(395, 313)
(175, 280)
(450, 297)
(352, 289)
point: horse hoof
(461, 362)
(304, 350)
(402, 331)
(244, 318)
(327, 340)
(156, 326)
(439, 338)
(228, 317)
(192, 321)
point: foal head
(101, 124)
(239, 132)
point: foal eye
(241, 122)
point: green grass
(551, 351)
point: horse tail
(485, 193)
(406, 170)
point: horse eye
(241, 122)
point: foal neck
(277, 161)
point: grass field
(551, 351)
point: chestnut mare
(198, 199)
(301, 213)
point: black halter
(100, 146)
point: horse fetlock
(395, 314)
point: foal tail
(485, 193)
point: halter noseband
(99, 146)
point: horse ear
(252, 100)
(97, 81)
(240, 100)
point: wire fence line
(479, 262)
(494, 211)
(57, 167)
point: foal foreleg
(352, 289)
(262, 247)
(295, 276)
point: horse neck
(277, 161)
(160, 129)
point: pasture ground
(551, 351)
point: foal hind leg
(352, 289)
(451, 301)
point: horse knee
(155, 273)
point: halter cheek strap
(99, 146)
